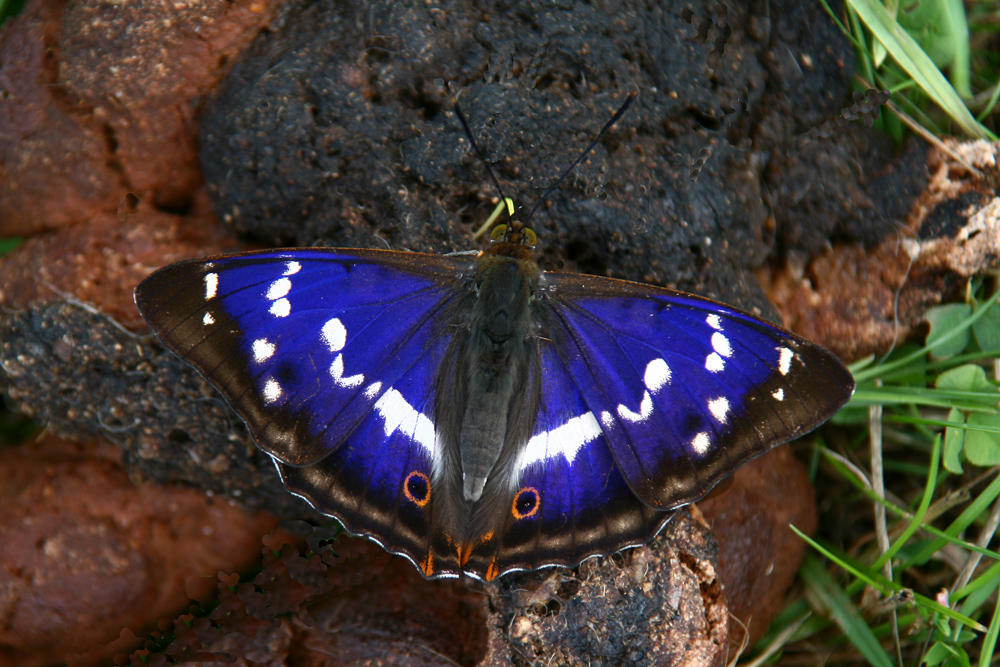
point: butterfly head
(515, 233)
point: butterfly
(476, 414)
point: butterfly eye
(525, 503)
(498, 232)
(530, 238)
(417, 488)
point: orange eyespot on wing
(525, 503)
(417, 488)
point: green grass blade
(832, 596)
(905, 51)
(886, 587)
(918, 516)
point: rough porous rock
(660, 605)
(85, 552)
(862, 299)
(102, 100)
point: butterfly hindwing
(379, 482)
(303, 343)
(570, 501)
(686, 389)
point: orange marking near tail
(492, 571)
(427, 565)
(464, 551)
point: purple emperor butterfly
(476, 414)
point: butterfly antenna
(479, 153)
(583, 155)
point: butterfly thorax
(495, 360)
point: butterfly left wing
(332, 359)
(685, 389)
(379, 482)
(303, 342)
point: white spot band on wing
(262, 350)
(208, 319)
(714, 321)
(291, 268)
(399, 415)
(211, 285)
(334, 335)
(278, 289)
(565, 440)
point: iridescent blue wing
(686, 389)
(300, 340)
(331, 357)
(379, 482)
(570, 501)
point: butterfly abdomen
(494, 364)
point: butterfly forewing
(303, 343)
(686, 389)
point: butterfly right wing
(570, 501)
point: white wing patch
(714, 362)
(719, 407)
(211, 285)
(272, 390)
(645, 410)
(334, 335)
(701, 443)
(565, 440)
(337, 371)
(785, 357)
(279, 288)
(399, 415)
(208, 319)
(291, 268)
(721, 344)
(656, 376)
(262, 350)
(281, 308)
